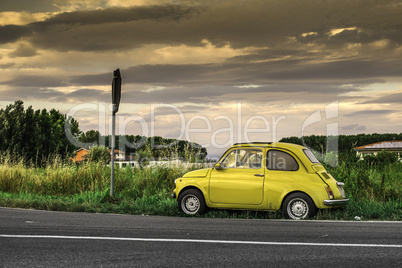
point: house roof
(116, 151)
(82, 149)
(383, 145)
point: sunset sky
(213, 72)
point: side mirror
(218, 166)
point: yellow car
(261, 176)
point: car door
(240, 178)
(283, 173)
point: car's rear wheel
(298, 206)
(192, 202)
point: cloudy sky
(213, 72)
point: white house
(375, 148)
(118, 155)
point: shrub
(382, 158)
(99, 154)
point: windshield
(310, 156)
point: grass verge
(165, 206)
(375, 191)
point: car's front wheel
(192, 202)
(298, 206)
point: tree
(99, 154)
(91, 136)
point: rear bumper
(336, 202)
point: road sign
(116, 90)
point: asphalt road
(31, 238)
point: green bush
(382, 158)
(99, 154)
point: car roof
(270, 145)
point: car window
(230, 160)
(243, 158)
(278, 160)
(310, 156)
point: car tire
(192, 202)
(298, 206)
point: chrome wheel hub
(191, 204)
(298, 209)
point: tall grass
(59, 178)
(375, 190)
(69, 187)
(380, 183)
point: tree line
(35, 135)
(38, 135)
(150, 147)
(343, 143)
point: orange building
(80, 154)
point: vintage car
(261, 176)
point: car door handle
(259, 175)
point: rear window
(278, 160)
(310, 156)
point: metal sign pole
(116, 95)
(113, 146)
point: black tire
(298, 206)
(192, 202)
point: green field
(375, 190)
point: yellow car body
(261, 176)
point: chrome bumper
(336, 202)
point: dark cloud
(395, 98)
(38, 81)
(177, 95)
(285, 94)
(304, 88)
(23, 51)
(29, 93)
(353, 36)
(253, 23)
(28, 5)
(84, 95)
(119, 14)
(345, 70)
(172, 110)
(54, 95)
(7, 65)
(102, 29)
(353, 127)
(12, 33)
(237, 74)
(205, 95)
(366, 113)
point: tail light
(330, 193)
